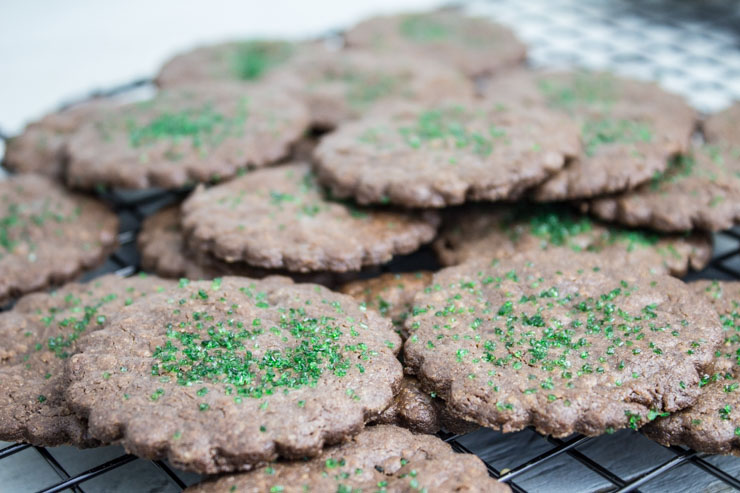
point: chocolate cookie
(40, 333)
(381, 458)
(185, 136)
(48, 235)
(700, 191)
(224, 375)
(443, 154)
(41, 148)
(161, 246)
(339, 86)
(500, 232)
(390, 294)
(418, 411)
(280, 218)
(163, 251)
(724, 127)
(624, 121)
(712, 424)
(243, 61)
(474, 45)
(560, 344)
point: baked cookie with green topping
(244, 62)
(162, 251)
(224, 375)
(40, 333)
(724, 127)
(391, 294)
(49, 235)
(474, 45)
(697, 191)
(501, 232)
(712, 424)
(185, 136)
(41, 147)
(343, 85)
(381, 458)
(633, 123)
(560, 344)
(280, 218)
(446, 153)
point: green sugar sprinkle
(60, 344)
(678, 168)
(203, 127)
(423, 29)
(362, 91)
(216, 351)
(520, 334)
(597, 133)
(447, 125)
(585, 89)
(17, 220)
(559, 226)
(253, 59)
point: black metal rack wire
(527, 461)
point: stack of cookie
(272, 350)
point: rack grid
(691, 47)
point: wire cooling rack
(691, 47)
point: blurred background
(55, 51)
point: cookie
(631, 122)
(697, 191)
(500, 232)
(724, 127)
(344, 85)
(224, 375)
(40, 333)
(712, 424)
(390, 294)
(381, 458)
(280, 218)
(443, 154)
(242, 61)
(420, 412)
(41, 148)
(48, 235)
(163, 251)
(185, 136)
(560, 344)
(474, 45)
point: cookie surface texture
(49, 235)
(255, 370)
(563, 346)
(380, 457)
(474, 45)
(280, 218)
(41, 332)
(712, 425)
(500, 232)
(185, 136)
(444, 154)
(697, 191)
